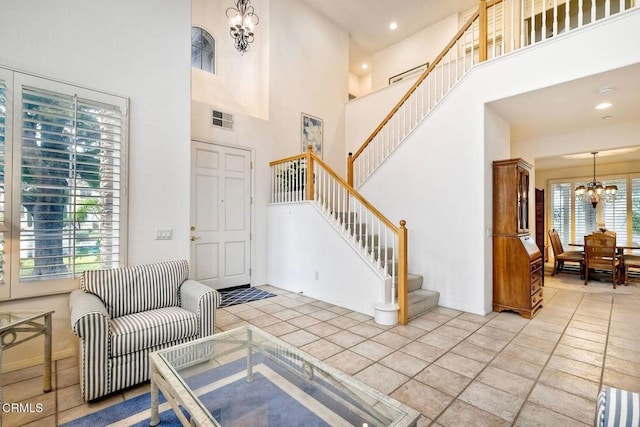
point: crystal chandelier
(242, 19)
(594, 191)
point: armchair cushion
(132, 290)
(139, 331)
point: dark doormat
(236, 296)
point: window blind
(70, 184)
(561, 195)
(586, 218)
(614, 213)
(635, 210)
(3, 131)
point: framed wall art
(311, 131)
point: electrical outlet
(164, 234)
(317, 276)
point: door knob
(194, 238)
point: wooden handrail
(413, 88)
(353, 192)
(288, 159)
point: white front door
(220, 215)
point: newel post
(403, 304)
(309, 183)
(483, 24)
(350, 169)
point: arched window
(203, 50)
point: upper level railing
(495, 28)
(306, 177)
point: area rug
(242, 295)
(290, 400)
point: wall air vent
(222, 120)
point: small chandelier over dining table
(243, 20)
(594, 191)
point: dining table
(619, 249)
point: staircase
(419, 300)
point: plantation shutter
(561, 195)
(586, 218)
(71, 175)
(3, 137)
(614, 213)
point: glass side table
(19, 326)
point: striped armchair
(121, 315)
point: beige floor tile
(506, 381)
(343, 322)
(443, 380)
(622, 366)
(68, 362)
(366, 330)
(601, 329)
(441, 341)
(423, 351)
(508, 321)
(625, 343)
(303, 309)
(322, 329)
(463, 324)
(424, 422)
(299, 338)
(535, 343)
(474, 352)
(22, 374)
(391, 339)
(476, 318)
(530, 355)
(272, 308)
(349, 362)
(69, 397)
(622, 381)
(568, 404)
(535, 331)
(585, 356)
(574, 367)
(446, 311)
(517, 366)
(322, 349)
(623, 353)
(587, 335)
(264, 320)
(497, 333)
(323, 315)
(595, 347)
(381, 378)
(547, 325)
(372, 350)
(358, 316)
(569, 383)
(424, 399)
(240, 324)
(49, 421)
(460, 364)
(303, 321)
(592, 320)
(27, 389)
(345, 339)
(425, 324)
(408, 331)
(285, 314)
(462, 414)
(492, 400)
(533, 415)
(339, 310)
(486, 342)
(404, 363)
(452, 332)
(436, 317)
(279, 329)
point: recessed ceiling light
(365, 66)
(393, 25)
(603, 106)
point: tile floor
(456, 368)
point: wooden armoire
(517, 261)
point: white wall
(241, 82)
(451, 149)
(423, 46)
(303, 243)
(135, 49)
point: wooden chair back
(600, 251)
(556, 244)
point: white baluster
(567, 17)
(379, 241)
(494, 8)
(580, 13)
(522, 26)
(622, 5)
(593, 12)
(607, 8)
(533, 22)
(543, 31)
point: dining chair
(600, 253)
(630, 261)
(560, 256)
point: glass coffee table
(248, 377)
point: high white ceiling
(367, 21)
